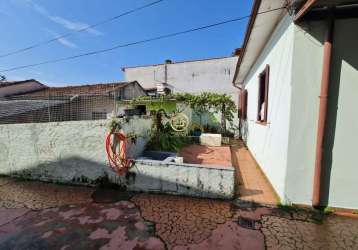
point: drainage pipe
(322, 115)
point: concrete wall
(74, 152)
(269, 143)
(62, 152)
(182, 179)
(306, 80)
(214, 75)
(340, 151)
(339, 155)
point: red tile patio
(199, 154)
(252, 185)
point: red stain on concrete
(163, 222)
(47, 234)
(100, 233)
(111, 213)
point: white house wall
(306, 80)
(269, 144)
(213, 75)
(340, 151)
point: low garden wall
(74, 152)
(68, 152)
(184, 179)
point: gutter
(322, 115)
(305, 8)
(253, 15)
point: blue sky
(25, 22)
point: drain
(106, 195)
(247, 223)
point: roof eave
(253, 15)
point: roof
(311, 5)
(16, 107)
(261, 27)
(186, 61)
(11, 83)
(258, 32)
(88, 89)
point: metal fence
(47, 107)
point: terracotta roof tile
(89, 89)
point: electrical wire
(138, 42)
(42, 43)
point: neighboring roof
(11, 83)
(16, 107)
(187, 61)
(88, 89)
(258, 32)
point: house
(30, 111)
(8, 88)
(298, 78)
(81, 102)
(195, 76)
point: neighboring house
(83, 102)
(213, 75)
(8, 88)
(30, 111)
(303, 138)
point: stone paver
(49, 216)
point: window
(243, 104)
(263, 95)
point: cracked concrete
(35, 215)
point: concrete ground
(36, 215)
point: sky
(27, 22)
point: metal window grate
(247, 223)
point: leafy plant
(166, 140)
(204, 102)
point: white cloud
(71, 25)
(65, 42)
(66, 23)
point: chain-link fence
(88, 102)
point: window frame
(243, 104)
(264, 78)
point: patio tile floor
(252, 185)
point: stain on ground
(35, 215)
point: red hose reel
(116, 152)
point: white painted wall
(306, 82)
(340, 151)
(269, 144)
(214, 75)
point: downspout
(322, 115)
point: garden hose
(117, 159)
